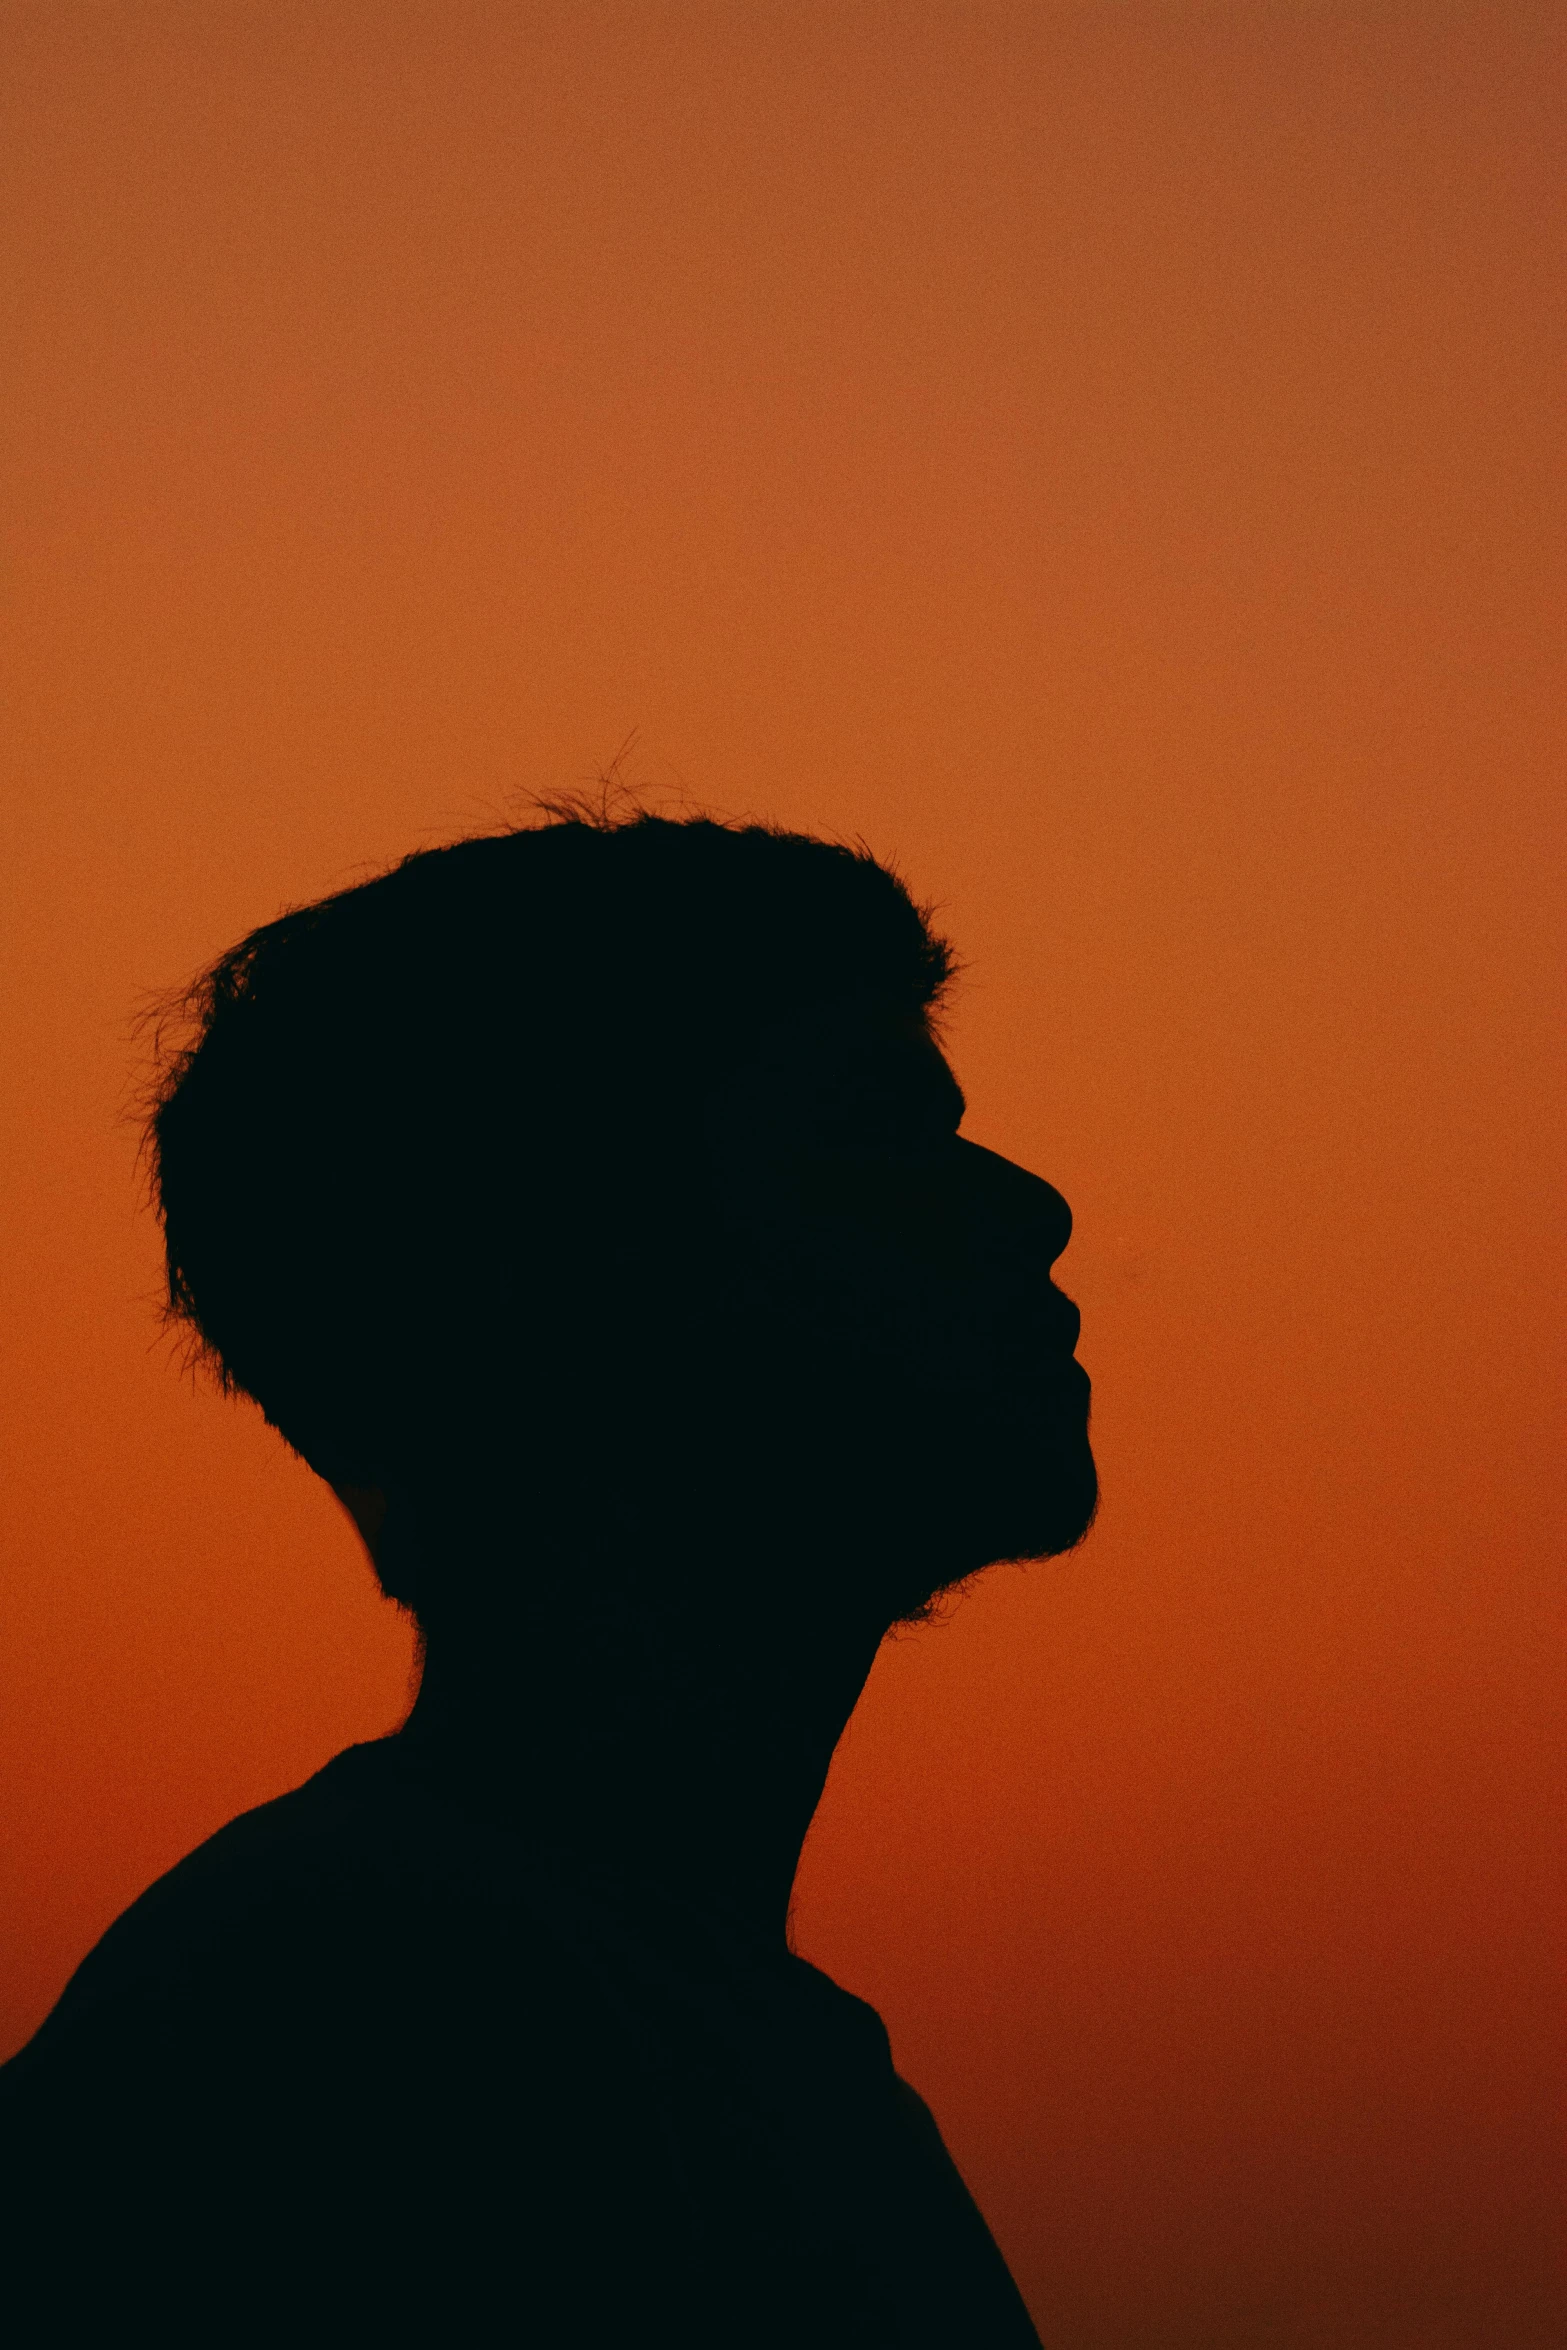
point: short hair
(423, 1146)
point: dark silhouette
(587, 1205)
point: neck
(693, 1764)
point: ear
(387, 1532)
(366, 1505)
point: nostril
(1018, 1202)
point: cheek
(941, 1326)
(913, 1223)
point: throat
(692, 1775)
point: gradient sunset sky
(1108, 457)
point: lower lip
(1065, 1379)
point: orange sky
(1106, 456)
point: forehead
(830, 1059)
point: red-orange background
(1103, 455)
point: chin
(988, 1485)
(903, 1487)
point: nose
(1017, 1206)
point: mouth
(1068, 1318)
(1055, 1384)
(1068, 1378)
(1047, 1338)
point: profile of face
(889, 1289)
(884, 1373)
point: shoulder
(316, 1934)
(343, 2034)
(262, 1865)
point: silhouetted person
(587, 1206)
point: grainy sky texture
(1107, 457)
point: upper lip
(1043, 1333)
(1066, 1323)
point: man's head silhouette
(586, 1203)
